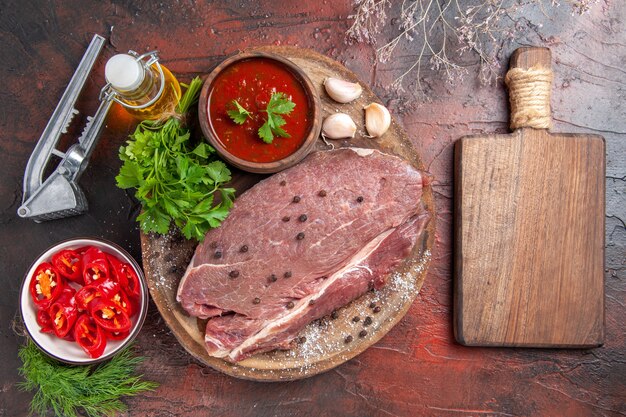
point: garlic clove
(377, 119)
(342, 91)
(338, 126)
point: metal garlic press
(59, 195)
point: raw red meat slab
(357, 213)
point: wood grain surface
(323, 347)
(417, 369)
(529, 235)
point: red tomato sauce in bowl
(251, 82)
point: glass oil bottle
(145, 88)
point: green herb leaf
(280, 132)
(265, 133)
(279, 104)
(278, 121)
(218, 172)
(215, 217)
(240, 114)
(154, 219)
(173, 175)
(204, 206)
(201, 150)
(130, 176)
(191, 95)
(75, 390)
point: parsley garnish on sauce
(279, 104)
(239, 114)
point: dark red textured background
(417, 369)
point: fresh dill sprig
(67, 389)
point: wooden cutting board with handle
(529, 225)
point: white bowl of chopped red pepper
(83, 300)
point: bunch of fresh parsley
(66, 389)
(176, 179)
(278, 105)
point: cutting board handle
(529, 80)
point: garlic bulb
(377, 119)
(342, 91)
(338, 126)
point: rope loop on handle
(529, 95)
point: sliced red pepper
(109, 316)
(95, 265)
(81, 251)
(46, 285)
(108, 287)
(117, 335)
(133, 288)
(67, 296)
(89, 336)
(69, 336)
(44, 321)
(86, 295)
(116, 266)
(95, 271)
(121, 300)
(63, 313)
(69, 263)
(101, 309)
(125, 275)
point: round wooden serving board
(323, 346)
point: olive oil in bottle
(146, 89)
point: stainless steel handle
(60, 119)
(59, 195)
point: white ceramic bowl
(67, 351)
